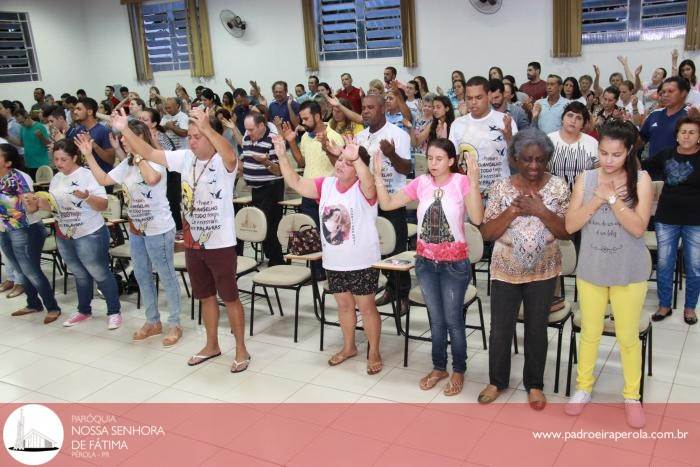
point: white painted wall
(86, 43)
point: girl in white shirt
(152, 229)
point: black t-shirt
(678, 204)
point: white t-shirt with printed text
(207, 208)
(483, 138)
(148, 207)
(75, 217)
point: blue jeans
(155, 252)
(11, 267)
(667, 236)
(87, 258)
(443, 284)
(22, 248)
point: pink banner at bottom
(352, 435)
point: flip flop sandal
(429, 382)
(240, 366)
(374, 368)
(452, 388)
(339, 358)
(203, 358)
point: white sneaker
(634, 413)
(114, 321)
(577, 402)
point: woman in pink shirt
(442, 253)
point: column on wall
(567, 28)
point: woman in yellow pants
(611, 205)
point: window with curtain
(17, 53)
(165, 27)
(358, 29)
(609, 21)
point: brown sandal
(429, 381)
(453, 388)
(146, 331)
(374, 368)
(173, 337)
(339, 358)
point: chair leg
(279, 304)
(556, 370)
(296, 314)
(481, 320)
(572, 346)
(199, 313)
(644, 357)
(649, 334)
(192, 307)
(53, 272)
(515, 338)
(269, 303)
(184, 282)
(252, 309)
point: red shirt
(353, 96)
(114, 101)
(536, 90)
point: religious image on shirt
(336, 224)
(49, 199)
(466, 150)
(435, 229)
(187, 197)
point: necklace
(195, 180)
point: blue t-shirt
(659, 130)
(100, 134)
(280, 110)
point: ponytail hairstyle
(142, 131)
(70, 148)
(449, 147)
(627, 133)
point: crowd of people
(553, 159)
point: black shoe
(385, 299)
(690, 319)
(659, 317)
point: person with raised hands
(208, 169)
(349, 241)
(152, 229)
(442, 254)
(77, 202)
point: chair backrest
(114, 208)
(648, 262)
(657, 186)
(412, 205)
(421, 164)
(475, 242)
(387, 236)
(44, 174)
(289, 223)
(251, 224)
(568, 257)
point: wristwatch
(612, 199)
(137, 159)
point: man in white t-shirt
(383, 139)
(175, 123)
(483, 133)
(208, 170)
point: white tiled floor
(89, 363)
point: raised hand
(536, 109)
(439, 91)
(84, 143)
(351, 151)
(462, 107)
(229, 82)
(200, 118)
(119, 120)
(674, 55)
(507, 128)
(288, 134)
(278, 142)
(473, 171)
(387, 147)
(596, 70)
(694, 112)
(277, 121)
(333, 101)
(441, 130)
(638, 70)
(377, 163)
(113, 141)
(228, 123)
(622, 59)
(254, 84)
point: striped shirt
(256, 174)
(569, 160)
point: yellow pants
(626, 302)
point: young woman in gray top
(611, 205)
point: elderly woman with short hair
(524, 218)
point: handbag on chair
(304, 241)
